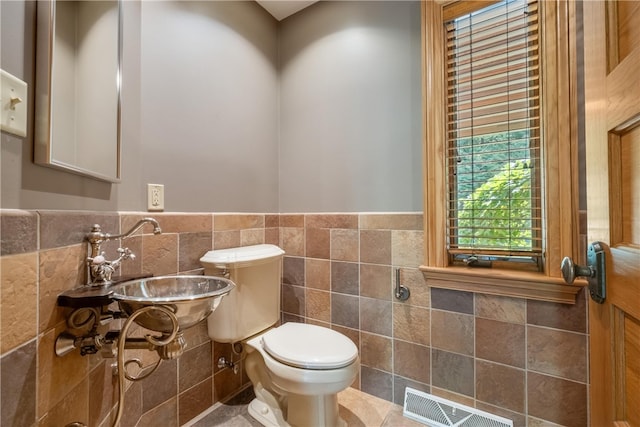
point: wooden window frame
(559, 135)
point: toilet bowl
(297, 370)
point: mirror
(77, 103)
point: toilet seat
(309, 347)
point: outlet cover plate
(155, 197)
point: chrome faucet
(99, 270)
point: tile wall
(43, 255)
(523, 359)
(519, 358)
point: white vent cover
(435, 411)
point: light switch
(13, 99)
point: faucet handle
(98, 259)
(125, 253)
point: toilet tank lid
(242, 256)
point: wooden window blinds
(493, 135)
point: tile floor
(358, 409)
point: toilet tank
(254, 304)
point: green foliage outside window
(494, 195)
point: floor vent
(435, 411)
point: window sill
(503, 282)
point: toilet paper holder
(401, 292)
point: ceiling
(280, 9)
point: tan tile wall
(523, 359)
(519, 358)
(42, 255)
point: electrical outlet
(155, 197)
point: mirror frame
(43, 143)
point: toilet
(296, 369)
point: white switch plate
(155, 197)
(13, 99)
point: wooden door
(612, 121)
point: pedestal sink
(190, 298)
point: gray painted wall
(23, 184)
(209, 105)
(233, 111)
(350, 108)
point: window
(500, 146)
(493, 141)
